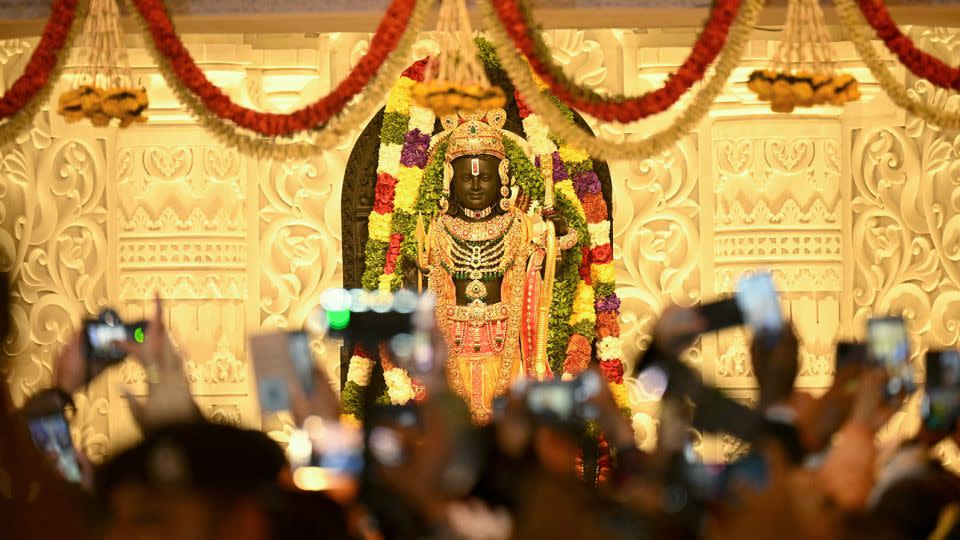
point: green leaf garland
(394, 128)
(351, 399)
(524, 173)
(375, 257)
(565, 285)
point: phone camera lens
(110, 317)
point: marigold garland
(895, 90)
(317, 140)
(20, 121)
(51, 51)
(920, 63)
(786, 91)
(520, 74)
(514, 18)
(596, 268)
(166, 40)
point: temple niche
(818, 197)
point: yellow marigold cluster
(785, 91)
(102, 105)
(445, 97)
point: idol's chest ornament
(479, 252)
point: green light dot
(338, 320)
(138, 335)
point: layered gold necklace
(478, 251)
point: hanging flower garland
(895, 90)
(105, 88)
(803, 73)
(20, 120)
(593, 318)
(404, 148)
(52, 50)
(515, 20)
(454, 80)
(167, 41)
(920, 63)
(358, 378)
(596, 147)
(305, 144)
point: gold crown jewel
(475, 134)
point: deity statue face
(476, 181)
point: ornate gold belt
(491, 312)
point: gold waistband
(491, 312)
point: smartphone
(565, 402)
(337, 448)
(755, 303)
(301, 358)
(103, 343)
(850, 354)
(390, 429)
(716, 482)
(888, 344)
(940, 407)
(278, 359)
(365, 316)
(50, 433)
(751, 469)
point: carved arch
(360, 178)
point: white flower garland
(572, 134)
(317, 140)
(896, 91)
(399, 386)
(20, 122)
(360, 371)
(610, 348)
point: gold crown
(475, 134)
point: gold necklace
(479, 261)
(477, 214)
(477, 230)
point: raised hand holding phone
(940, 408)
(169, 399)
(46, 418)
(755, 303)
(889, 346)
(677, 329)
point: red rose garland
(619, 108)
(919, 63)
(270, 124)
(37, 73)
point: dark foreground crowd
(814, 469)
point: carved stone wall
(854, 210)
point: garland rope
(602, 149)
(48, 53)
(20, 121)
(339, 126)
(516, 21)
(160, 28)
(895, 90)
(920, 63)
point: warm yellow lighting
(840, 203)
(320, 479)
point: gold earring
(445, 195)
